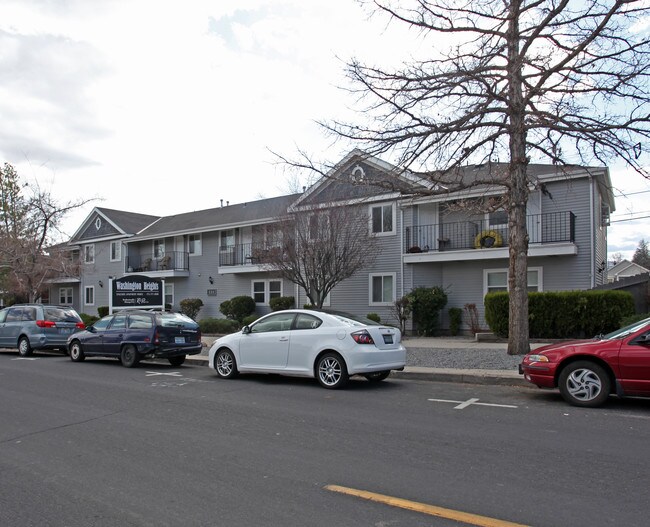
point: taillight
(45, 324)
(362, 337)
(156, 338)
(81, 325)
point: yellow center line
(432, 510)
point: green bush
(102, 311)
(282, 302)
(191, 307)
(427, 303)
(218, 326)
(634, 318)
(249, 320)
(374, 317)
(238, 307)
(563, 314)
(455, 320)
(88, 320)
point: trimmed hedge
(218, 326)
(563, 314)
(279, 303)
(238, 307)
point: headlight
(537, 358)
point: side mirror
(91, 329)
(643, 339)
(246, 330)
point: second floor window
(89, 254)
(194, 244)
(158, 248)
(381, 217)
(116, 251)
(227, 238)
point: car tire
(377, 376)
(331, 371)
(225, 364)
(585, 384)
(176, 361)
(129, 356)
(24, 347)
(76, 352)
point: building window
(169, 294)
(158, 248)
(89, 253)
(382, 219)
(65, 296)
(382, 289)
(194, 245)
(89, 295)
(116, 251)
(227, 239)
(319, 226)
(497, 280)
(264, 290)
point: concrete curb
(413, 373)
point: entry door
(534, 217)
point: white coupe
(328, 346)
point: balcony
(246, 257)
(551, 233)
(172, 263)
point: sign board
(137, 292)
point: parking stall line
(461, 405)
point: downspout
(592, 242)
(401, 250)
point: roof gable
(109, 223)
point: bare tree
(318, 249)
(29, 228)
(559, 81)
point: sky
(164, 107)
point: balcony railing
(145, 263)
(248, 254)
(551, 227)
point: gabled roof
(261, 211)
(122, 223)
(625, 268)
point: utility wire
(629, 219)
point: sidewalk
(440, 359)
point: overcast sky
(165, 107)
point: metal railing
(247, 254)
(551, 227)
(170, 261)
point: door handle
(284, 339)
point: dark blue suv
(131, 336)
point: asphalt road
(96, 444)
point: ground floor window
(264, 290)
(169, 294)
(382, 289)
(89, 295)
(65, 296)
(497, 280)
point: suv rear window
(57, 314)
(171, 320)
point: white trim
(540, 277)
(394, 292)
(267, 291)
(200, 251)
(392, 232)
(85, 247)
(86, 289)
(110, 251)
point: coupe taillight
(362, 337)
(45, 324)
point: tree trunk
(518, 331)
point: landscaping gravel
(465, 359)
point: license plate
(388, 339)
(179, 340)
(65, 330)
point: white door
(267, 345)
(534, 217)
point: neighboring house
(623, 269)
(215, 254)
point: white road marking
(26, 358)
(170, 373)
(464, 404)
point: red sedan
(588, 371)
